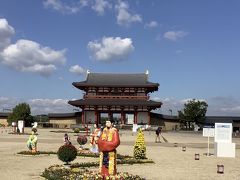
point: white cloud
(29, 56)
(26, 55)
(45, 106)
(38, 106)
(124, 17)
(6, 32)
(151, 24)
(217, 106)
(100, 6)
(110, 48)
(64, 8)
(83, 3)
(7, 104)
(174, 35)
(225, 106)
(76, 69)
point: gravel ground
(170, 162)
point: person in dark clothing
(158, 133)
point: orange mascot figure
(107, 143)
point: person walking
(158, 133)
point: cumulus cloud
(83, 3)
(6, 103)
(226, 106)
(100, 5)
(123, 14)
(64, 8)
(6, 32)
(29, 56)
(151, 24)
(26, 55)
(174, 35)
(217, 106)
(45, 106)
(124, 17)
(110, 48)
(76, 69)
(38, 106)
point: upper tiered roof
(116, 80)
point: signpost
(208, 132)
(223, 140)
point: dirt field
(170, 162)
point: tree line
(22, 111)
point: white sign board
(208, 132)
(223, 132)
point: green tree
(194, 111)
(21, 111)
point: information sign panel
(208, 132)
(223, 132)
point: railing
(114, 97)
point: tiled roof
(123, 80)
(115, 102)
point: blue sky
(191, 48)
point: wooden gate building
(124, 94)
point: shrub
(67, 153)
(139, 146)
(82, 139)
(76, 130)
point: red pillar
(109, 115)
(83, 116)
(96, 117)
(122, 117)
(135, 117)
(149, 118)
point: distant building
(211, 120)
(64, 120)
(3, 118)
(123, 94)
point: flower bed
(37, 153)
(119, 161)
(60, 173)
(84, 152)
